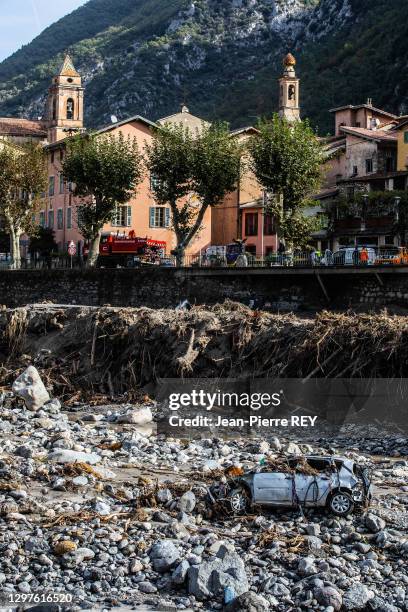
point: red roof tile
(10, 126)
(383, 135)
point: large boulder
(210, 578)
(164, 555)
(31, 389)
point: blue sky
(23, 20)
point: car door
(312, 488)
(308, 488)
(273, 488)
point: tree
(286, 159)
(105, 171)
(188, 168)
(43, 241)
(23, 178)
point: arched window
(70, 108)
(292, 92)
(54, 109)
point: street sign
(72, 248)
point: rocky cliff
(220, 56)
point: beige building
(289, 91)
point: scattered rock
(187, 502)
(210, 578)
(141, 416)
(31, 389)
(164, 555)
(328, 596)
(248, 602)
(72, 456)
(374, 523)
(357, 597)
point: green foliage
(105, 171)
(188, 168)
(23, 177)
(297, 229)
(213, 51)
(43, 242)
(286, 158)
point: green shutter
(151, 212)
(167, 217)
(406, 137)
(128, 216)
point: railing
(298, 259)
(52, 263)
(305, 259)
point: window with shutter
(151, 217)
(159, 216)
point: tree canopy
(23, 179)
(192, 172)
(105, 171)
(286, 158)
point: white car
(336, 483)
(347, 256)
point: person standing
(364, 256)
(281, 251)
(356, 256)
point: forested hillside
(221, 56)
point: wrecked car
(336, 483)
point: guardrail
(300, 259)
(303, 259)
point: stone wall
(278, 289)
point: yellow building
(402, 130)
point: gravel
(99, 509)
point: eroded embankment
(116, 350)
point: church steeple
(289, 90)
(65, 108)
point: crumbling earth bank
(115, 350)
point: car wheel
(238, 500)
(341, 503)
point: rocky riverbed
(97, 508)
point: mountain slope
(221, 56)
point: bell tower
(289, 107)
(65, 106)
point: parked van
(346, 256)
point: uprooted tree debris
(114, 350)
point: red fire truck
(129, 250)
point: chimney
(369, 101)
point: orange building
(141, 214)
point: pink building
(141, 214)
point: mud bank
(117, 350)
